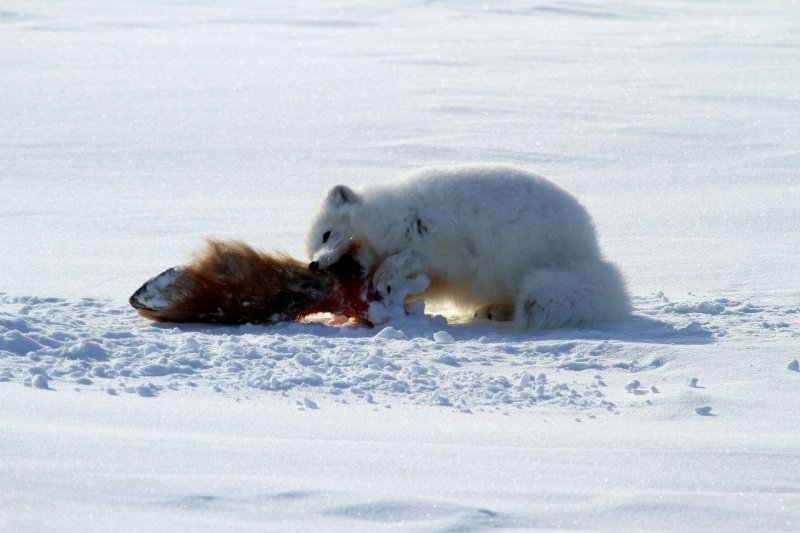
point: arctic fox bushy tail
(573, 295)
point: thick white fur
(494, 238)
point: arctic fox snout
(346, 267)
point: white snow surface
(130, 131)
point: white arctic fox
(495, 239)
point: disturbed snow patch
(419, 359)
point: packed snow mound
(50, 343)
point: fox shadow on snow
(636, 328)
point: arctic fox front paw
(390, 275)
(395, 288)
(388, 283)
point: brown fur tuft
(229, 282)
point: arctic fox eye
(326, 236)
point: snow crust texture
(51, 343)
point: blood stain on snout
(347, 267)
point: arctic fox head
(333, 243)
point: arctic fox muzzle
(346, 267)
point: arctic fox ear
(340, 195)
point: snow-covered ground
(129, 131)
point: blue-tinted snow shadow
(425, 514)
(438, 515)
(281, 328)
(634, 329)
